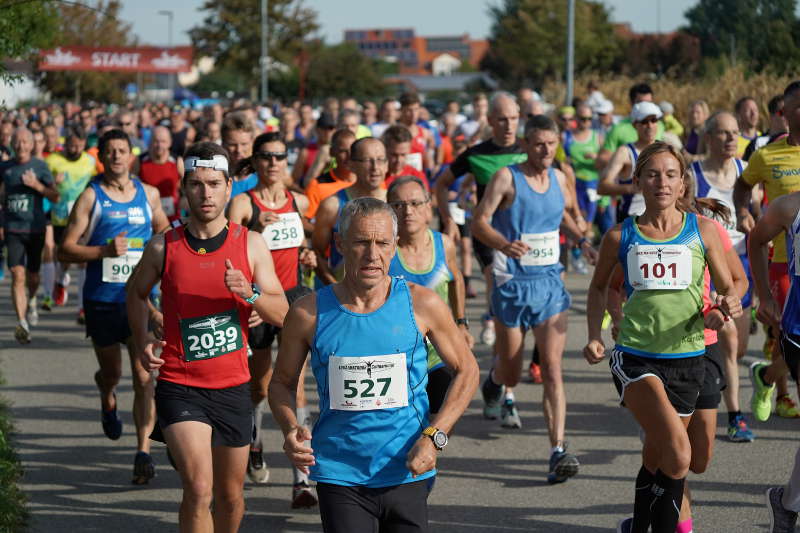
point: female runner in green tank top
(656, 363)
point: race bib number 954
(368, 383)
(653, 267)
(206, 337)
(544, 249)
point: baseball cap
(667, 107)
(642, 110)
(604, 107)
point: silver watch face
(440, 439)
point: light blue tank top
(530, 213)
(790, 322)
(368, 447)
(108, 218)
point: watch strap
(430, 431)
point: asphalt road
(491, 479)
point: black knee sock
(642, 501)
(535, 356)
(732, 416)
(666, 506)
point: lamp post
(170, 77)
(570, 51)
(264, 52)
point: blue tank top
(108, 218)
(436, 276)
(367, 447)
(706, 190)
(790, 321)
(535, 218)
(243, 185)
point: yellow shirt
(742, 142)
(74, 176)
(777, 166)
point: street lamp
(170, 77)
(264, 60)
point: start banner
(116, 59)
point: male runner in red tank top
(213, 274)
(159, 168)
(421, 139)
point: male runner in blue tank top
(519, 217)
(374, 445)
(109, 225)
(783, 215)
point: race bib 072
(285, 233)
(653, 267)
(544, 249)
(368, 383)
(118, 269)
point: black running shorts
(25, 249)
(682, 378)
(790, 347)
(714, 380)
(106, 322)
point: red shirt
(165, 178)
(408, 170)
(287, 261)
(205, 325)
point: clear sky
(427, 17)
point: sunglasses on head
(278, 156)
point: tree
(761, 34)
(342, 70)
(231, 33)
(24, 29)
(529, 37)
(90, 26)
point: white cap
(642, 110)
(666, 107)
(604, 107)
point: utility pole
(570, 52)
(264, 52)
(170, 77)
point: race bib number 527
(368, 383)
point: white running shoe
(32, 315)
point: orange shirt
(326, 185)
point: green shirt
(623, 133)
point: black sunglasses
(278, 156)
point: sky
(427, 17)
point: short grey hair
(362, 207)
(498, 97)
(19, 132)
(712, 122)
(402, 180)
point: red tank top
(418, 144)
(287, 260)
(205, 325)
(165, 178)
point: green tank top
(577, 150)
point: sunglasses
(652, 120)
(278, 156)
(411, 203)
(585, 119)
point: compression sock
(732, 416)
(48, 278)
(666, 506)
(535, 356)
(258, 416)
(642, 501)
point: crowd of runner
(344, 235)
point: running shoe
(785, 407)
(563, 466)
(112, 423)
(81, 318)
(535, 372)
(781, 519)
(738, 430)
(509, 416)
(257, 469)
(47, 303)
(32, 314)
(22, 334)
(579, 265)
(492, 398)
(761, 400)
(488, 335)
(60, 295)
(302, 496)
(625, 525)
(144, 468)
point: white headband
(218, 162)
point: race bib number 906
(118, 269)
(285, 233)
(368, 383)
(544, 249)
(206, 337)
(653, 267)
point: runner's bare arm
(302, 207)
(455, 288)
(441, 189)
(742, 197)
(621, 161)
(436, 322)
(240, 210)
(142, 280)
(499, 192)
(159, 221)
(322, 237)
(296, 338)
(271, 306)
(70, 250)
(596, 298)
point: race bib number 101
(368, 383)
(653, 267)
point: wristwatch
(438, 437)
(462, 322)
(255, 295)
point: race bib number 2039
(206, 337)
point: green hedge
(13, 513)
